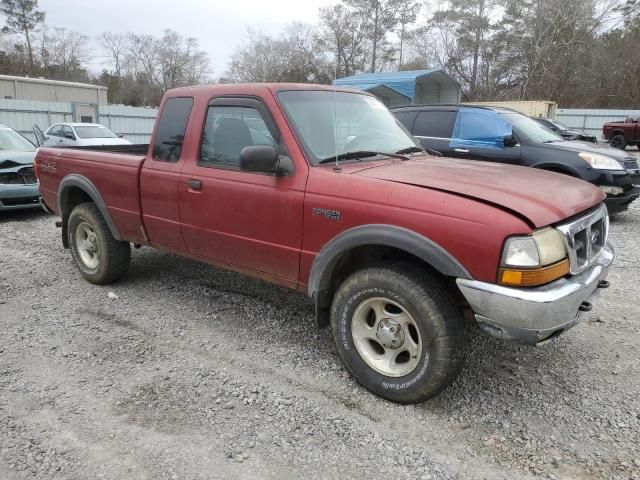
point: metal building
(84, 98)
(403, 88)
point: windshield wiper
(360, 154)
(430, 151)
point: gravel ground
(184, 372)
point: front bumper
(536, 314)
(619, 203)
(14, 197)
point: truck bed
(114, 176)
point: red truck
(621, 134)
(324, 191)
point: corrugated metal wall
(591, 121)
(135, 123)
(33, 89)
(21, 115)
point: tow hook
(603, 284)
(585, 307)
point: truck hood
(577, 146)
(12, 158)
(543, 198)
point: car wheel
(399, 332)
(618, 141)
(100, 258)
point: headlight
(534, 260)
(600, 162)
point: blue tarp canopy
(419, 86)
(389, 96)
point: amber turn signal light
(533, 277)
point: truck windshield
(529, 129)
(94, 131)
(332, 124)
(12, 140)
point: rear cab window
(172, 124)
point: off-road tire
(439, 318)
(114, 255)
(618, 141)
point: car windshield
(338, 123)
(94, 131)
(12, 140)
(531, 130)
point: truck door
(160, 174)
(251, 221)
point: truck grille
(631, 164)
(585, 238)
(24, 176)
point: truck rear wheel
(618, 141)
(100, 258)
(399, 332)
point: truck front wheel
(399, 331)
(618, 141)
(100, 258)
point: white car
(80, 134)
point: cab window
(229, 129)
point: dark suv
(503, 135)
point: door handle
(194, 184)
(461, 150)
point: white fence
(134, 123)
(591, 121)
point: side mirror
(69, 136)
(120, 135)
(510, 141)
(259, 158)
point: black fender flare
(618, 131)
(380, 235)
(83, 183)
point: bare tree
(465, 30)
(295, 56)
(23, 17)
(114, 46)
(62, 53)
(407, 14)
(341, 34)
(378, 18)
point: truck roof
(255, 88)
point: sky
(219, 25)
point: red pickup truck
(621, 134)
(325, 192)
